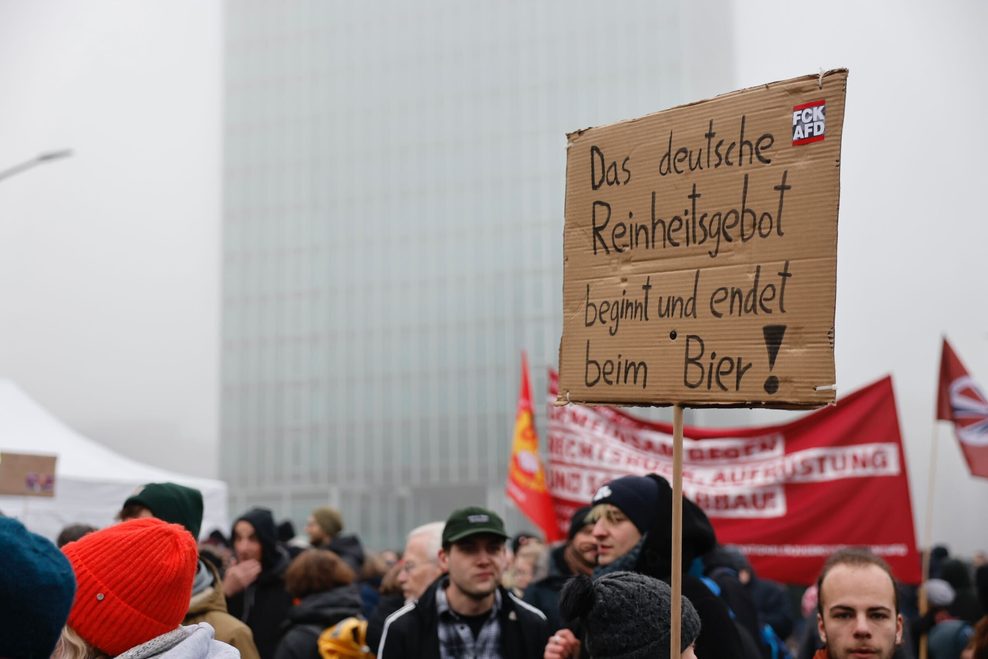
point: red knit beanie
(134, 583)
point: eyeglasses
(409, 566)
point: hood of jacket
(348, 548)
(328, 607)
(956, 573)
(698, 534)
(191, 642)
(208, 600)
(267, 534)
(275, 573)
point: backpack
(776, 645)
(347, 639)
(948, 638)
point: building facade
(392, 233)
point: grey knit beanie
(939, 593)
(626, 615)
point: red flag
(961, 401)
(788, 495)
(526, 477)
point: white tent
(91, 481)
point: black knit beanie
(578, 521)
(626, 615)
(635, 496)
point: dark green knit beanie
(172, 503)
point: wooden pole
(676, 613)
(928, 535)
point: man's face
(418, 569)
(614, 534)
(314, 531)
(522, 571)
(475, 565)
(859, 619)
(585, 545)
(245, 543)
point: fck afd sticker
(809, 122)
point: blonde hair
(72, 646)
(605, 510)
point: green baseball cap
(466, 522)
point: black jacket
(310, 617)
(773, 605)
(745, 615)
(387, 605)
(348, 548)
(412, 632)
(965, 605)
(264, 604)
(544, 593)
(718, 635)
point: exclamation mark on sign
(773, 341)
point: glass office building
(392, 233)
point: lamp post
(40, 159)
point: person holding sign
(633, 530)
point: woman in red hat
(134, 583)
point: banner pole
(675, 614)
(931, 488)
(928, 534)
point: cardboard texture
(23, 474)
(700, 252)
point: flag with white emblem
(962, 402)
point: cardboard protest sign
(700, 252)
(23, 474)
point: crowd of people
(461, 587)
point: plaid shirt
(456, 640)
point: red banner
(961, 401)
(788, 496)
(526, 476)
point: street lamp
(37, 160)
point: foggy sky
(109, 261)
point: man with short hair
(467, 613)
(858, 607)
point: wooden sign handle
(676, 613)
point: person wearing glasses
(420, 561)
(417, 569)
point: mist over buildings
(283, 252)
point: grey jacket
(191, 642)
